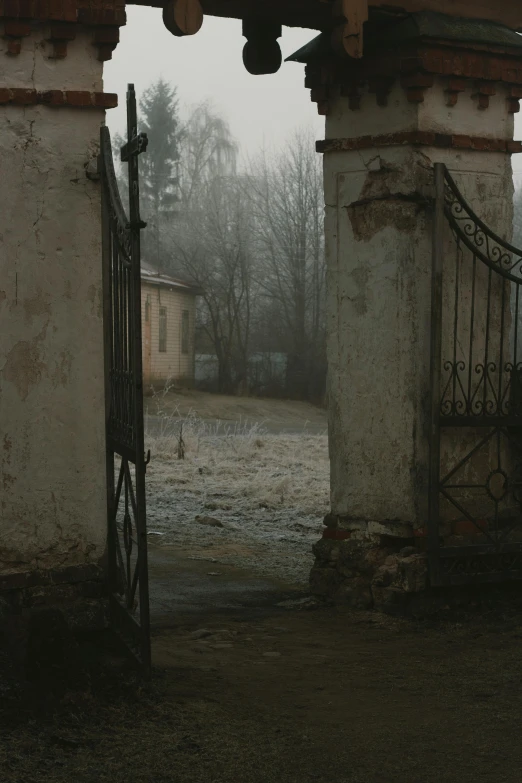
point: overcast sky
(260, 109)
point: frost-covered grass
(269, 492)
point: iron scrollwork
(476, 478)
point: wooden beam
(183, 17)
(290, 13)
(347, 37)
(317, 14)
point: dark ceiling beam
(290, 13)
(317, 14)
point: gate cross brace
(134, 147)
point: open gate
(126, 461)
(475, 521)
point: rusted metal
(125, 452)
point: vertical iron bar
(135, 225)
(107, 356)
(486, 347)
(501, 347)
(117, 334)
(127, 537)
(455, 330)
(470, 358)
(127, 415)
(435, 372)
(515, 347)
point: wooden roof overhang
(319, 14)
(343, 20)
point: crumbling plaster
(52, 479)
(379, 251)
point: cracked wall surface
(379, 254)
(52, 469)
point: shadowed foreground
(290, 696)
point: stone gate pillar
(52, 455)
(426, 90)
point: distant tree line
(250, 236)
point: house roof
(152, 276)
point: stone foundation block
(360, 574)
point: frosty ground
(244, 492)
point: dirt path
(292, 697)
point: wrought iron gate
(126, 461)
(475, 521)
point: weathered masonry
(403, 86)
(52, 485)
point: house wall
(173, 364)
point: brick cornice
(78, 99)
(416, 66)
(62, 18)
(421, 139)
(111, 12)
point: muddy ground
(277, 694)
(250, 684)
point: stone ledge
(18, 96)
(420, 139)
(50, 577)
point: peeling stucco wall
(378, 248)
(52, 470)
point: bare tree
(210, 243)
(212, 248)
(208, 151)
(253, 243)
(287, 200)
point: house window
(163, 330)
(185, 331)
